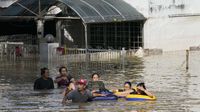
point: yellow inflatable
(136, 97)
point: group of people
(81, 90)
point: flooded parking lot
(176, 89)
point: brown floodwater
(176, 89)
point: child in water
(96, 85)
(140, 89)
(126, 90)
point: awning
(16, 10)
(92, 11)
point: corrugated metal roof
(16, 10)
(6, 3)
(92, 11)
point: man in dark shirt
(81, 94)
(44, 82)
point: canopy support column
(58, 32)
(86, 38)
(86, 47)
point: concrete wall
(170, 33)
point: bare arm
(97, 94)
(58, 79)
(67, 98)
(124, 93)
(147, 92)
(65, 101)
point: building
(171, 24)
(103, 24)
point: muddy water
(176, 89)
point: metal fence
(18, 51)
(25, 55)
(82, 60)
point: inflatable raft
(136, 97)
(109, 96)
(101, 98)
(131, 97)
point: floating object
(136, 97)
(118, 93)
(109, 96)
(139, 52)
(101, 98)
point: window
(116, 35)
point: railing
(83, 60)
(78, 61)
(18, 55)
(25, 51)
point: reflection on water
(176, 89)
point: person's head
(127, 85)
(95, 77)
(81, 84)
(141, 85)
(44, 72)
(63, 70)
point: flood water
(176, 89)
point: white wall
(160, 31)
(172, 33)
(141, 5)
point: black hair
(43, 70)
(62, 68)
(141, 84)
(129, 83)
(95, 74)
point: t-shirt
(96, 85)
(78, 97)
(64, 83)
(42, 83)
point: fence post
(123, 59)
(187, 59)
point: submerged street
(176, 89)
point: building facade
(105, 24)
